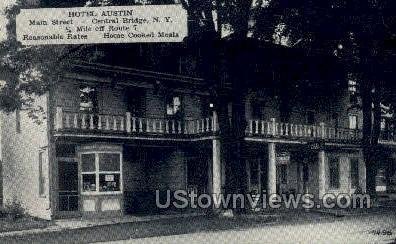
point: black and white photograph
(197, 121)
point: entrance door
(68, 197)
(255, 175)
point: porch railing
(273, 128)
(83, 121)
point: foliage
(12, 209)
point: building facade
(112, 136)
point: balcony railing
(388, 136)
(128, 124)
(272, 128)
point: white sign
(109, 178)
(283, 158)
(115, 24)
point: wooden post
(59, 118)
(322, 173)
(167, 126)
(216, 167)
(128, 122)
(100, 122)
(215, 121)
(107, 123)
(114, 122)
(75, 120)
(271, 186)
(273, 123)
(83, 124)
(323, 130)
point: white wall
(21, 162)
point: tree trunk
(371, 120)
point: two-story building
(113, 135)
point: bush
(13, 210)
(2, 212)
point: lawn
(22, 223)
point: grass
(22, 223)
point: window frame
(334, 185)
(356, 118)
(42, 178)
(354, 174)
(283, 174)
(169, 100)
(93, 96)
(98, 172)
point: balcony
(290, 131)
(126, 125)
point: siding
(20, 162)
(345, 173)
(323, 108)
(112, 100)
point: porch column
(216, 168)
(271, 188)
(322, 173)
(59, 118)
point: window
(353, 122)
(335, 119)
(354, 172)
(88, 100)
(135, 100)
(257, 109)
(254, 172)
(334, 172)
(383, 124)
(283, 173)
(18, 121)
(352, 86)
(42, 182)
(101, 172)
(311, 117)
(173, 105)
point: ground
(294, 227)
(22, 223)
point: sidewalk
(81, 223)
(270, 218)
(166, 227)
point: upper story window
(338, 4)
(135, 101)
(352, 89)
(310, 117)
(173, 105)
(335, 118)
(353, 122)
(88, 99)
(257, 109)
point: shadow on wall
(1, 184)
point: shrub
(13, 210)
(2, 212)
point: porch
(102, 179)
(126, 125)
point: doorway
(68, 194)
